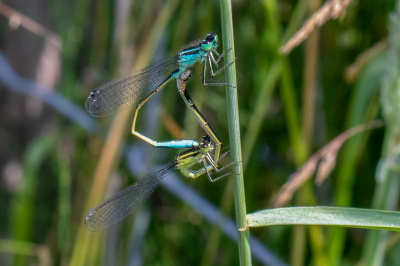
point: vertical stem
(310, 81)
(387, 191)
(308, 104)
(234, 134)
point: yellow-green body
(187, 159)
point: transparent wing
(125, 202)
(120, 94)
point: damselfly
(136, 89)
(125, 202)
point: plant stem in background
(364, 106)
(234, 134)
(387, 186)
(310, 81)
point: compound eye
(206, 140)
(211, 37)
(203, 145)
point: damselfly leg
(214, 82)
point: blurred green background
(56, 162)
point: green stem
(234, 134)
(387, 176)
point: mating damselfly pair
(118, 95)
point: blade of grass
(297, 141)
(306, 195)
(387, 187)
(310, 82)
(364, 106)
(333, 216)
(22, 206)
(64, 204)
(234, 134)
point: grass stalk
(234, 134)
(263, 99)
(308, 114)
(297, 140)
(64, 203)
(22, 206)
(387, 187)
(364, 107)
(310, 81)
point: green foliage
(332, 216)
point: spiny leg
(215, 61)
(204, 79)
(221, 69)
(220, 158)
(214, 165)
(214, 82)
(208, 172)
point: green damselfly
(126, 201)
(118, 95)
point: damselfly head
(210, 42)
(205, 142)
